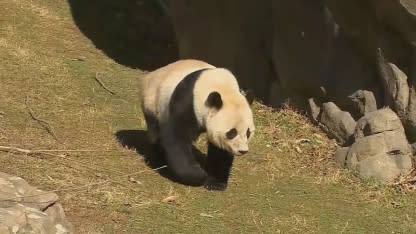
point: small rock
(29, 210)
(410, 119)
(338, 123)
(133, 180)
(401, 96)
(171, 199)
(364, 101)
(341, 156)
(314, 110)
(396, 89)
(206, 215)
(413, 147)
(302, 140)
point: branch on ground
(41, 122)
(102, 85)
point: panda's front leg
(181, 162)
(218, 167)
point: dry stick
(42, 123)
(107, 89)
(73, 188)
(71, 150)
(79, 162)
(29, 152)
(33, 152)
(14, 149)
(102, 84)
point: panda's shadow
(137, 140)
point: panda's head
(229, 122)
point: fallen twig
(17, 198)
(102, 85)
(72, 150)
(14, 149)
(44, 152)
(42, 123)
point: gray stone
(396, 89)
(338, 123)
(26, 209)
(385, 167)
(401, 94)
(314, 110)
(365, 101)
(385, 142)
(341, 156)
(410, 120)
(376, 122)
(381, 149)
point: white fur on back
(157, 86)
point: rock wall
(26, 209)
(341, 60)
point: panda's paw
(212, 183)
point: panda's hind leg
(152, 124)
(218, 166)
(181, 162)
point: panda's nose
(242, 151)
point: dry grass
(288, 184)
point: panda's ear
(214, 100)
(249, 96)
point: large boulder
(380, 149)
(26, 209)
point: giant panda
(186, 98)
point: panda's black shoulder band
(181, 105)
(195, 74)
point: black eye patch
(248, 133)
(231, 134)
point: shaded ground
(288, 182)
(134, 33)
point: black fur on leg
(181, 162)
(180, 130)
(218, 167)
